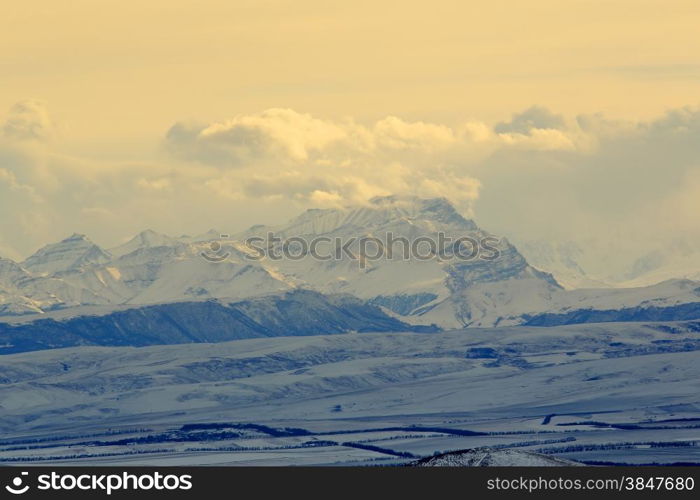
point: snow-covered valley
(571, 391)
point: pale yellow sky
(122, 72)
(181, 115)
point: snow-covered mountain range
(153, 268)
(563, 260)
(599, 264)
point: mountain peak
(74, 252)
(10, 271)
(77, 237)
(410, 201)
(145, 239)
(381, 211)
(212, 234)
(394, 199)
(150, 236)
(438, 209)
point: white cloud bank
(535, 175)
(280, 153)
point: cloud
(277, 133)
(283, 154)
(28, 120)
(394, 133)
(624, 189)
(10, 182)
(534, 118)
(537, 175)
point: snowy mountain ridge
(595, 263)
(153, 268)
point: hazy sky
(546, 119)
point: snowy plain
(620, 392)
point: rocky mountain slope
(418, 283)
(299, 312)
